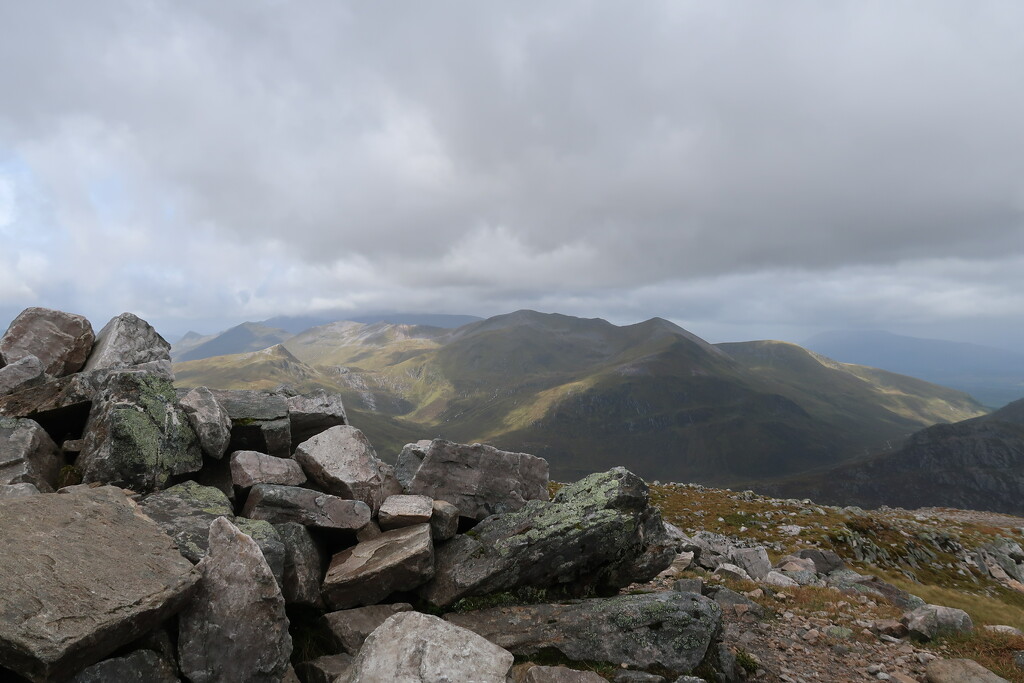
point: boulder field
(155, 534)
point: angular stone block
(28, 455)
(368, 572)
(282, 504)
(82, 574)
(399, 511)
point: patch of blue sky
(27, 218)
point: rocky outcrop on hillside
(242, 536)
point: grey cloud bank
(747, 170)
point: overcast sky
(747, 170)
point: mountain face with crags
(587, 394)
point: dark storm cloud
(250, 157)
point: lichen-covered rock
(350, 627)
(282, 504)
(303, 564)
(82, 574)
(599, 534)
(932, 621)
(401, 510)
(343, 463)
(480, 480)
(21, 374)
(670, 631)
(137, 436)
(398, 560)
(249, 468)
(236, 628)
(411, 647)
(61, 341)
(209, 421)
(141, 666)
(125, 341)
(444, 520)
(28, 455)
(313, 413)
(269, 541)
(185, 512)
(259, 421)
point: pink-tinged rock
(249, 468)
(399, 511)
(343, 463)
(398, 560)
(81, 575)
(21, 374)
(61, 341)
(236, 628)
(349, 627)
(283, 504)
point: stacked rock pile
(155, 534)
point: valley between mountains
(588, 395)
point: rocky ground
(154, 534)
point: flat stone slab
(368, 572)
(249, 468)
(399, 511)
(283, 504)
(82, 574)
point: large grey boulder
(401, 510)
(269, 541)
(141, 666)
(125, 341)
(137, 436)
(670, 631)
(249, 468)
(28, 455)
(313, 413)
(259, 421)
(236, 628)
(209, 421)
(480, 480)
(21, 374)
(61, 341)
(303, 564)
(282, 504)
(82, 574)
(343, 463)
(350, 627)
(754, 561)
(825, 561)
(599, 534)
(411, 647)
(932, 621)
(368, 572)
